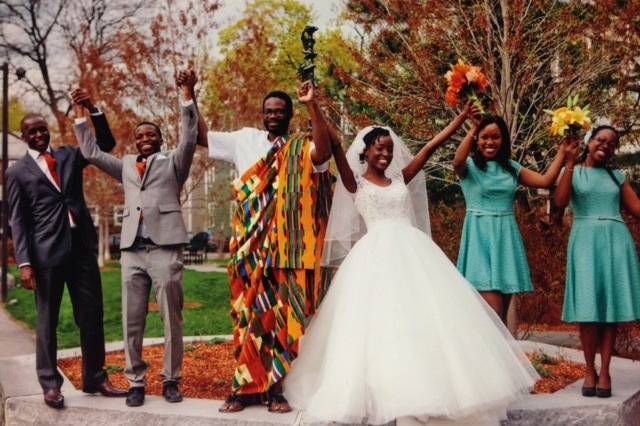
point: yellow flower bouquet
(570, 119)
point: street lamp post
(5, 163)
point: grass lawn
(208, 289)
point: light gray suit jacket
(157, 194)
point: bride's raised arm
(415, 166)
(346, 174)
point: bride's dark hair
(370, 138)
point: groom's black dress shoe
(53, 398)
(106, 389)
(136, 397)
(171, 392)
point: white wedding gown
(401, 333)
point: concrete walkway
(17, 360)
(16, 338)
(22, 397)
(566, 339)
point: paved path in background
(15, 338)
(207, 267)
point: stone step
(23, 403)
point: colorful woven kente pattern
(276, 284)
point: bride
(400, 332)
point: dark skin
(489, 142)
(187, 80)
(35, 133)
(380, 154)
(276, 119)
(81, 97)
(147, 138)
(601, 148)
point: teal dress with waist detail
(492, 255)
(603, 274)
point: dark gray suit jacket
(38, 212)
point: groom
(55, 243)
(283, 195)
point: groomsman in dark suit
(55, 243)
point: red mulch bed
(208, 368)
(556, 373)
(206, 372)
(548, 327)
(627, 344)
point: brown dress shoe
(53, 398)
(106, 389)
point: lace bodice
(377, 203)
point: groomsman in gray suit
(152, 239)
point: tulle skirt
(401, 333)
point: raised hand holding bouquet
(466, 82)
(571, 119)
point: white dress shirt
(244, 148)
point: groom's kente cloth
(276, 247)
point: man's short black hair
(28, 116)
(149, 123)
(280, 95)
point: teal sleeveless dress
(603, 274)
(492, 255)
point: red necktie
(51, 164)
(141, 165)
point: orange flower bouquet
(465, 83)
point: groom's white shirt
(244, 148)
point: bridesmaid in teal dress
(603, 274)
(492, 255)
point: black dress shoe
(106, 389)
(603, 393)
(591, 390)
(135, 397)
(171, 392)
(53, 398)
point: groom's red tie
(51, 164)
